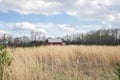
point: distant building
(55, 42)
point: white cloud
(24, 25)
(30, 6)
(40, 31)
(48, 29)
(4, 32)
(61, 27)
(43, 25)
(107, 11)
(88, 28)
(66, 27)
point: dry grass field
(63, 63)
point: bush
(117, 70)
(5, 61)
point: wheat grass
(64, 63)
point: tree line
(99, 37)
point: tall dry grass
(64, 63)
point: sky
(57, 17)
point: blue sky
(57, 17)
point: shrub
(117, 70)
(5, 61)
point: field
(63, 63)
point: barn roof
(55, 40)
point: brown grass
(64, 63)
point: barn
(55, 42)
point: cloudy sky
(58, 17)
